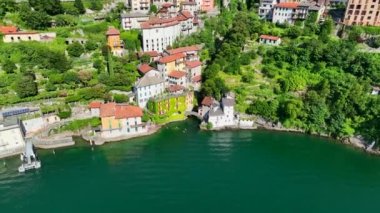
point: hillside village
(123, 70)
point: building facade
(150, 85)
(270, 40)
(114, 42)
(289, 12)
(224, 115)
(360, 12)
(266, 9)
(119, 120)
(133, 20)
(142, 6)
(11, 138)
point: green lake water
(182, 169)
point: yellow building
(114, 42)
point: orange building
(114, 42)
(362, 12)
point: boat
(29, 159)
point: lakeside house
(152, 84)
(119, 120)
(172, 103)
(219, 115)
(270, 40)
(11, 138)
(114, 42)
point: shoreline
(354, 142)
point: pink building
(207, 5)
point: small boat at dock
(29, 159)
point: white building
(177, 77)
(270, 40)
(150, 85)
(94, 107)
(35, 125)
(289, 12)
(27, 36)
(190, 6)
(140, 6)
(133, 20)
(159, 33)
(223, 115)
(266, 9)
(11, 138)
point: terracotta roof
(21, 33)
(95, 104)
(207, 101)
(159, 22)
(175, 88)
(192, 64)
(170, 58)
(107, 110)
(197, 78)
(127, 111)
(289, 5)
(189, 3)
(187, 14)
(144, 68)
(269, 37)
(183, 49)
(120, 111)
(113, 31)
(167, 5)
(150, 53)
(8, 29)
(177, 74)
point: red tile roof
(113, 31)
(171, 58)
(127, 111)
(150, 53)
(184, 49)
(177, 74)
(95, 104)
(186, 13)
(167, 5)
(269, 37)
(197, 78)
(159, 22)
(21, 33)
(144, 68)
(193, 64)
(120, 111)
(8, 29)
(107, 110)
(175, 88)
(288, 5)
(207, 101)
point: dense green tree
(79, 5)
(36, 20)
(25, 86)
(75, 49)
(8, 66)
(91, 45)
(7, 6)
